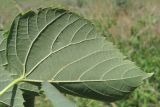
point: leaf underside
(3, 41)
(64, 49)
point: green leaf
(64, 49)
(3, 42)
(13, 96)
(56, 98)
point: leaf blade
(65, 48)
(3, 43)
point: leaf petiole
(16, 81)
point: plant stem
(16, 81)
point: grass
(133, 25)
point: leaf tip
(147, 75)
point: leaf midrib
(78, 81)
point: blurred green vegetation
(133, 25)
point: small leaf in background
(56, 98)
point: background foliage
(133, 25)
